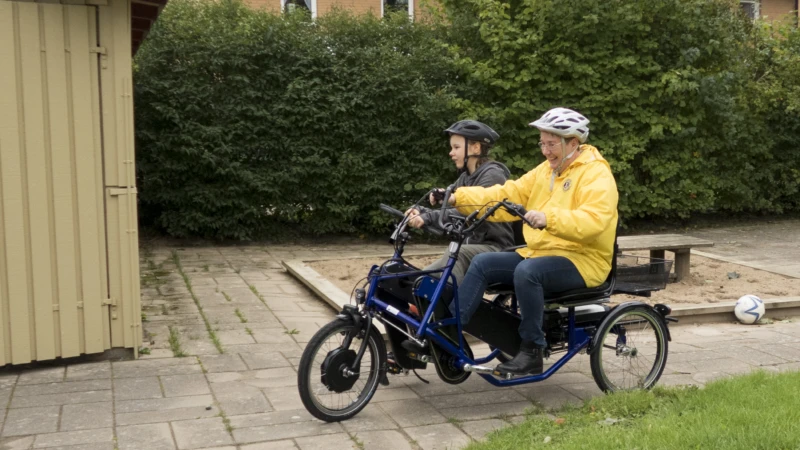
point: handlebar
(445, 204)
(513, 208)
(390, 210)
(399, 214)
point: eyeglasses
(550, 146)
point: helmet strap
(466, 155)
(563, 159)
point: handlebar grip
(445, 204)
(521, 211)
(399, 214)
(390, 210)
(438, 194)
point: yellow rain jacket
(581, 212)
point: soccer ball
(749, 309)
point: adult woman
(572, 197)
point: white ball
(749, 309)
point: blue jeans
(531, 278)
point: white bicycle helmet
(565, 123)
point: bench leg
(681, 263)
(657, 268)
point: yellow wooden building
(69, 274)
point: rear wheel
(632, 350)
(329, 388)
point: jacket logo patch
(567, 184)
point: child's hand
(437, 196)
(416, 220)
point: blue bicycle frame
(578, 338)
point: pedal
(391, 367)
(503, 375)
(394, 369)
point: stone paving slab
(152, 436)
(35, 420)
(87, 416)
(191, 434)
(99, 436)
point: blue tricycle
(346, 360)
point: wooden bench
(678, 244)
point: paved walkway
(242, 323)
(773, 246)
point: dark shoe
(529, 360)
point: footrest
(415, 351)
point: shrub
(671, 88)
(250, 124)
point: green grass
(258, 294)
(175, 343)
(211, 334)
(227, 297)
(756, 411)
(240, 315)
(227, 422)
(357, 443)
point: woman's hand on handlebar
(536, 219)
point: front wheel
(631, 352)
(329, 388)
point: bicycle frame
(578, 338)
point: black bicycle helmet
(474, 131)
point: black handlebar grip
(390, 210)
(438, 195)
(445, 201)
(398, 213)
(521, 211)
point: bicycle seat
(580, 295)
(571, 297)
(574, 295)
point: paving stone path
(241, 323)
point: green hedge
(695, 109)
(250, 124)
